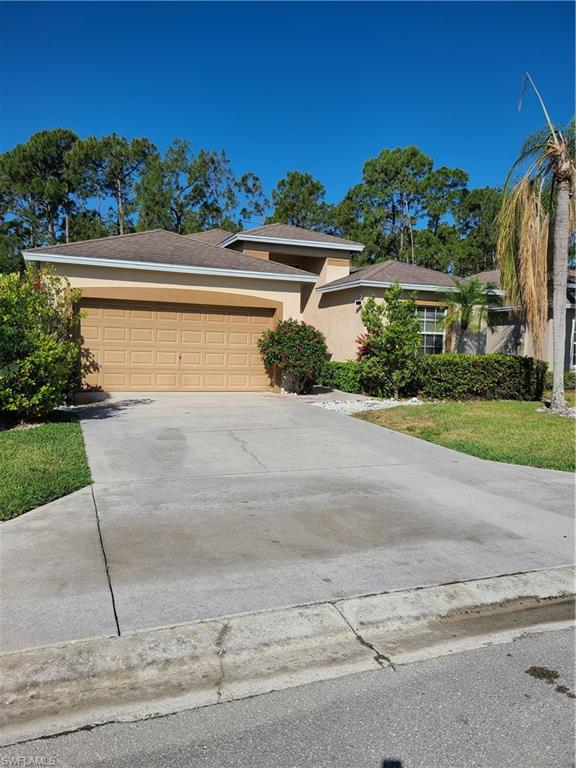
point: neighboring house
(171, 312)
(509, 334)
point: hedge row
(569, 380)
(487, 377)
(458, 377)
(342, 375)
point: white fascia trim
(406, 286)
(152, 266)
(285, 241)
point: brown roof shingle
(493, 276)
(393, 271)
(161, 247)
(488, 276)
(290, 232)
(212, 236)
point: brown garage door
(174, 347)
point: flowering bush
(298, 351)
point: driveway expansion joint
(106, 566)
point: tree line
(58, 187)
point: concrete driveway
(208, 504)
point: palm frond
(522, 251)
(528, 80)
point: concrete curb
(89, 682)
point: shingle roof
(489, 276)
(290, 232)
(212, 236)
(161, 247)
(493, 276)
(394, 271)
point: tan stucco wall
(337, 316)
(511, 337)
(288, 293)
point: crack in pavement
(221, 652)
(246, 450)
(383, 661)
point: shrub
(569, 380)
(342, 375)
(388, 351)
(298, 351)
(38, 349)
(487, 377)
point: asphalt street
(508, 706)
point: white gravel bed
(566, 413)
(348, 407)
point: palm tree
(468, 308)
(540, 203)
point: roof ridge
(428, 269)
(264, 226)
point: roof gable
(393, 271)
(294, 235)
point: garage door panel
(166, 359)
(111, 380)
(192, 337)
(215, 337)
(141, 381)
(167, 336)
(238, 360)
(215, 359)
(239, 339)
(141, 357)
(144, 335)
(112, 333)
(115, 356)
(162, 347)
(195, 359)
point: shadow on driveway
(107, 410)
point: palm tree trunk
(559, 281)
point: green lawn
(40, 464)
(498, 430)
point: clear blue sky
(317, 87)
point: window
(573, 360)
(430, 330)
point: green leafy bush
(389, 348)
(39, 354)
(342, 375)
(298, 351)
(569, 380)
(486, 377)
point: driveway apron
(207, 504)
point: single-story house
(163, 311)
